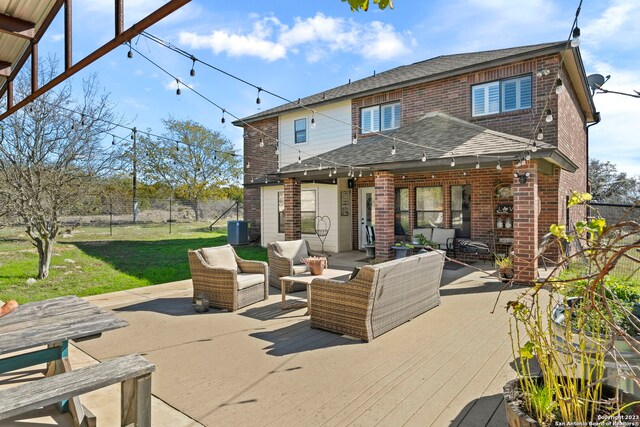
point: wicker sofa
(228, 281)
(285, 259)
(379, 298)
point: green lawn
(90, 261)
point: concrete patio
(265, 366)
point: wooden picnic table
(52, 323)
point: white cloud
(57, 37)
(617, 26)
(317, 37)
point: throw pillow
(220, 257)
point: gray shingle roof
(434, 68)
(437, 135)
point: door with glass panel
(366, 209)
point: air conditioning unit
(238, 232)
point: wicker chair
(379, 298)
(229, 282)
(285, 259)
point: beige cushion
(300, 268)
(246, 280)
(292, 249)
(426, 231)
(220, 257)
(441, 235)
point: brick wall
(292, 205)
(263, 160)
(525, 224)
(453, 96)
(384, 206)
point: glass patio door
(367, 212)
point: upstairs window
(380, 117)
(501, 96)
(300, 130)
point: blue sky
(296, 48)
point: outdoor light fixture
(559, 86)
(360, 174)
(248, 165)
(477, 162)
(424, 156)
(543, 72)
(313, 120)
(522, 177)
(192, 73)
(258, 98)
(534, 147)
(299, 158)
(222, 119)
(548, 116)
(393, 150)
(130, 53)
(261, 142)
(453, 162)
(540, 135)
(499, 166)
(178, 92)
(354, 141)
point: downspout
(597, 118)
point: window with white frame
(307, 211)
(501, 96)
(300, 130)
(380, 117)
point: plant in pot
(316, 264)
(504, 265)
(401, 249)
(567, 387)
(422, 240)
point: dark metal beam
(17, 27)
(68, 34)
(34, 67)
(5, 69)
(9, 93)
(119, 10)
(136, 29)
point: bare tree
(47, 150)
(192, 159)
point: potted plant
(316, 264)
(422, 240)
(504, 265)
(401, 249)
(574, 345)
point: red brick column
(292, 221)
(525, 224)
(384, 201)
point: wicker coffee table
(306, 278)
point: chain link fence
(107, 211)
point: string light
(313, 119)
(528, 156)
(360, 174)
(305, 172)
(575, 42)
(113, 141)
(354, 141)
(330, 174)
(559, 86)
(543, 72)
(299, 158)
(477, 162)
(540, 135)
(222, 120)
(258, 98)
(534, 147)
(424, 156)
(548, 116)
(499, 166)
(192, 73)
(130, 53)
(178, 92)
(277, 152)
(453, 162)
(335, 170)
(393, 147)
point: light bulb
(248, 165)
(277, 152)
(477, 165)
(354, 141)
(540, 135)
(222, 119)
(130, 53)
(549, 116)
(178, 92)
(258, 98)
(424, 156)
(575, 42)
(360, 174)
(299, 158)
(305, 172)
(534, 147)
(499, 166)
(330, 174)
(453, 162)
(261, 142)
(313, 122)
(559, 86)
(393, 150)
(278, 170)
(113, 141)
(193, 70)
(335, 170)
(528, 156)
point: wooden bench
(134, 372)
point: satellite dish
(595, 81)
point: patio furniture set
(363, 304)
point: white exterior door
(367, 212)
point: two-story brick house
(488, 143)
